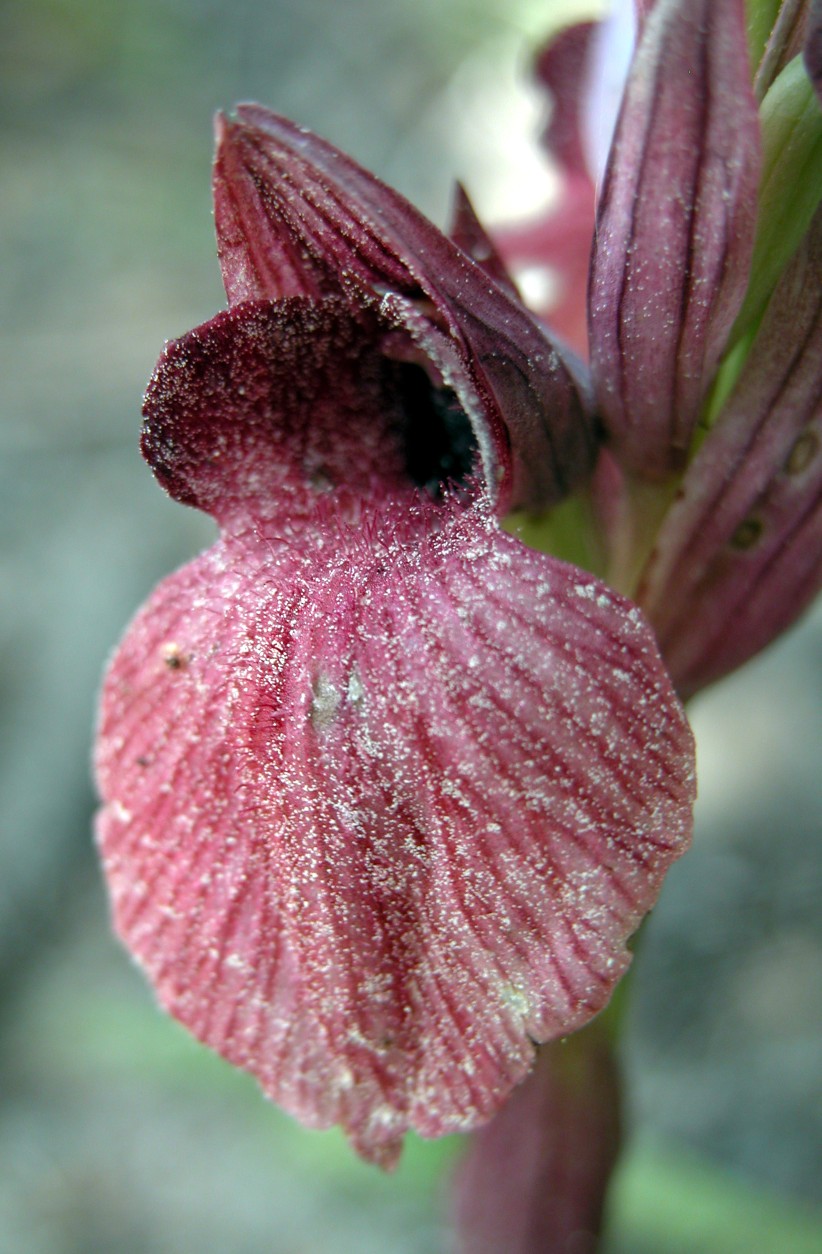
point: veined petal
(294, 215)
(739, 555)
(468, 233)
(382, 808)
(534, 1179)
(675, 229)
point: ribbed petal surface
(385, 793)
(534, 1179)
(469, 234)
(675, 229)
(379, 815)
(740, 553)
(296, 216)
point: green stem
(643, 507)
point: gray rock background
(117, 1133)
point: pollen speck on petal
(397, 817)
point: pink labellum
(534, 1179)
(384, 792)
(739, 555)
(675, 229)
(296, 216)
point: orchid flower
(385, 792)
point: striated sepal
(296, 216)
(739, 555)
(534, 1179)
(675, 229)
(469, 234)
(790, 188)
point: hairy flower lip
(247, 360)
(385, 793)
(296, 216)
(340, 872)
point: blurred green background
(116, 1132)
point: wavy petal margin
(384, 792)
(294, 215)
(379, 817)
(739, 555)
(534, 1179)
(675, 229)
(555, 248)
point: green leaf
(791, 186)
(761, 17)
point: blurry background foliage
(116, 1131)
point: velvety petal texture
(675, 229)
(384, 792)
(296, 216)
(534, 1179)
(740, 552)
(273, 405)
